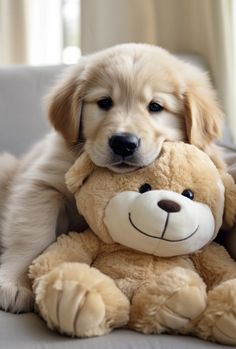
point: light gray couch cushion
(22, 120)
(28, 331)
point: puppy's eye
(105, 103)
(154, 107)
(188, 193)
(144, 187)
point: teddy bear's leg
(218, 322)
(169, 302)
(78, 300)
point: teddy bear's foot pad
(73, 309)
(81, 301)
(218, 322)
(183, 306)
(174, 300)
(224, 329)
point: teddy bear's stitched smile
(162, 235)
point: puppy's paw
(15, 298)
(80, 301)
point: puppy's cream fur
(39, 206)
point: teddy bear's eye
(144, 187)
(188, 193)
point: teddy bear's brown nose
(169, 206)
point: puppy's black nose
(169, 206)
(124, 144)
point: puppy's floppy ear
(65, 103)
(78, 173)
(230, 200)
(202, 114)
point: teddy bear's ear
(77, 174)
(230, 200)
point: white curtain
(205, 27)
(12, 32)
(108, 22)
(30, 32)
(44, 34)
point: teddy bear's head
(173, 207)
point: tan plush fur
(132, 76)
(86, 284)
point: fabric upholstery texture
(22, 114)
(27, 331)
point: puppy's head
(126, 100)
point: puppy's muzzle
(124, 144)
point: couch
(22, 123)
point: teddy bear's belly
(129, 264)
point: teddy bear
(148, 261)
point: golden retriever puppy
(120, 105)
(9, 167)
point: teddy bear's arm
(215, 265)
(74, 247)
(73, 297)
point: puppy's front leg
(29, 227)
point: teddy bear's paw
(15, 298)
(218, 322)
(224, 329)
(169, 304)
(182, 307)
(73, 309)
(80, 301)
